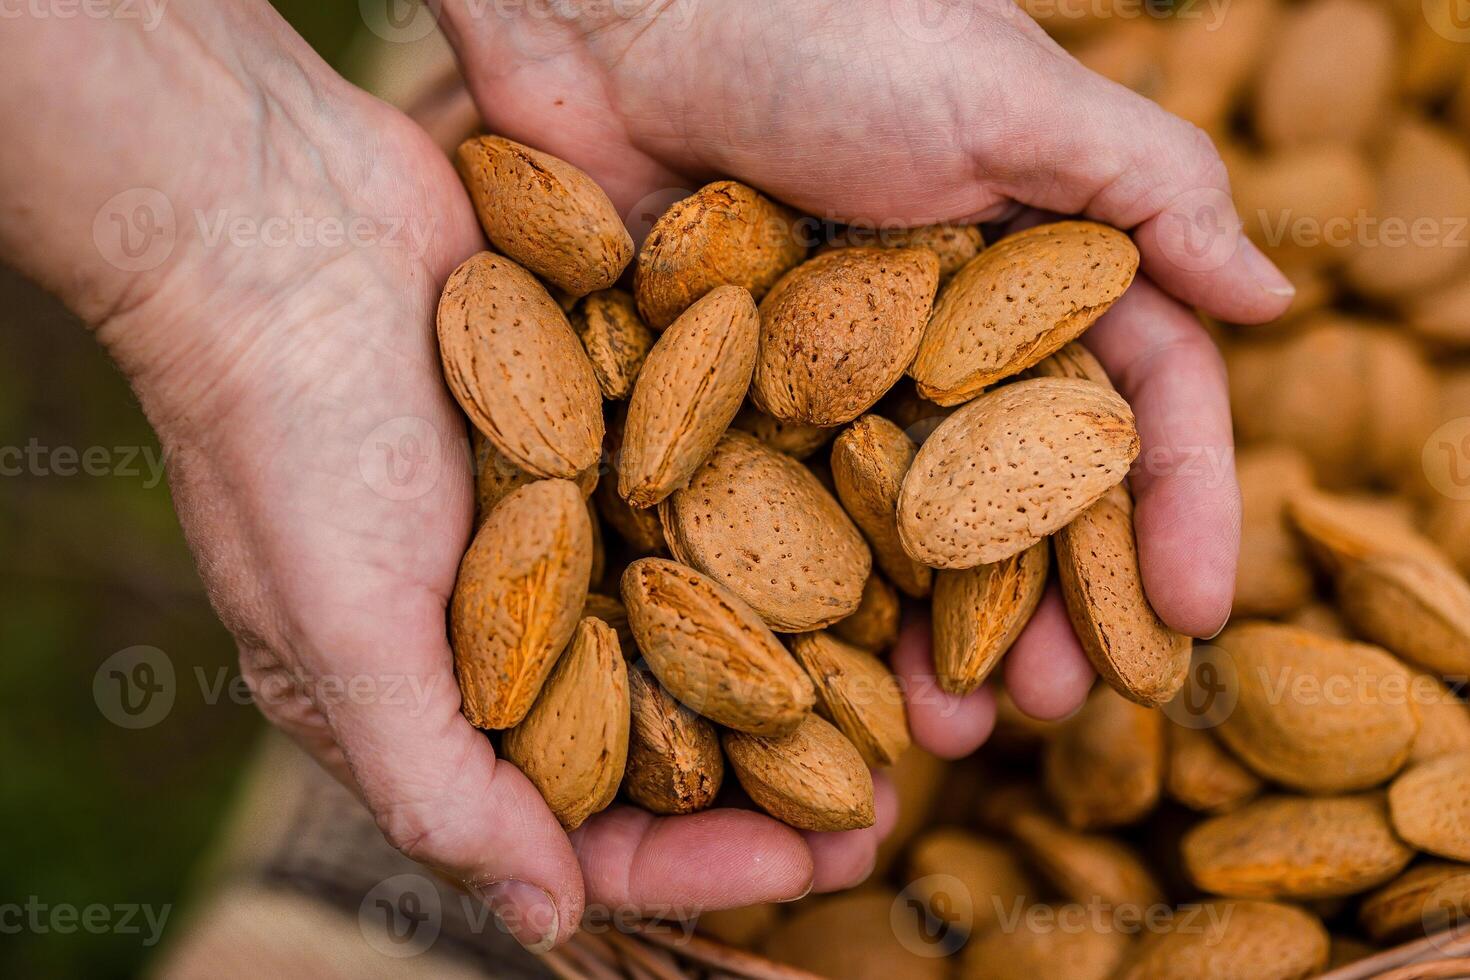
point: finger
(717, 859)
(1046, 672)
(950, 726)
(1187, 501)
(440, 795)
(844, 859)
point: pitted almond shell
(711, 650)
(574, 742)
(688, 392)
(674, 759)
(517, 370)
(1105, 766)
(1132, 649)
(857, 693)
(1296, 847)
(873, 626)
(545, 214)
(1430, 806)
(1072, 361)
(811, 779)
(616, 340)
(952, 245)
(1419, 608)
(612, 612)
(1231, 940)
(1011, 467)
(839, 330)
(1019, 301)
(979, 612)
(869, 461)
(519, 594)
(1318, 714)
(795, 439)
(758, 522)
(723, 234)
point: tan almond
(850, 935)
(811, 779)
(1087, 868)
(1299, 202)
(674, 759)
(869, 461)
(1314, 713)
(857, 693)
(1048, 941)
(1444, 720)
(496, 477)
(723, 234)
(688, 392)
(1272, 577)
(616, 340)
(1296, 847)
(1418, 608)
(1011, 467)
(1105, 766)
(639, 527)
(1430, 806)
(1072, 361)
(1341, 530)
(839, 330)
(968, 881)
(952, 245)
(795, 439)
(545, 214)
(574, 741)
(1232, 941)
(1097, 561)
(1019, 301)
(873, 626)
(1421, 901)
(517, 369)
(762, 525)
(1320, 618)
(612, 612)
(1203, 776)
(979, 612)
(516, 602)
(711, 650)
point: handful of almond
(668, 581)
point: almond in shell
(1232, 941)
(1421, 901)
(979, 612)
(496, 477)
(1086, 868)
(1105, 766)
(1418, 608)
(850, 935)
(674, 759)
(873, 626)
(795, 439)
(811, 779)
(1011, 467)
(615, 339)
(574, 742)
(967, 881)
(517, 370)
(711, 650)
(857, 693)
(1430, 806)
(688, 392)
(1273, 577)
(1049, 941)
(1203, 776)
(839, 330)
(519, 594)
(1019, 301)
(953, 245)
(1444, 720)
(869, 461)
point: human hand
(866, 112)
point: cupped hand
(903, 112)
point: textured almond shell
(1233, 941)
(991, 877)
(516, 368)
(795, 439)
(674, 759)
(1315, 713)
(1010, 468)
(1444, 720)
(762, 525)
(1105, 766)
(1203, 776)
(497, 477)
(1019, 301)
(1131, 648)
(952, 245)
(857, 693)
(545, 214)
(574, 741)
(689, 390)
(520, 590)
(869, 461)
(1422, 900)
(616, 340)
(1418, 608)
(1072, 361)
(839, 330)
(1296, 847)
(723, 233)
(1430, 806)
(873, 626)
(1087, 868)
(811, 779)
(711, 651)
(979, 612)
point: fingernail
(797, 898)
(1263, 270)
(527, 912)
(1217, 632)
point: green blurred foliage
(91, 813)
